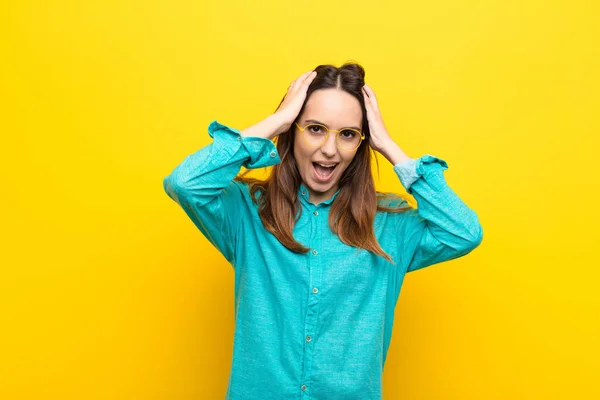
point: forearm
(394, 153)
(206, 172)
(267, 128)
(443, 227)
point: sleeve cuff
(262, 152)
(410, 170)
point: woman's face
(336, 109)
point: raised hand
(294, 99)
(379, 134)
(380, 139)
(287, 112)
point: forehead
(335, 108)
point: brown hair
(351, 217)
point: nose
(329, 148)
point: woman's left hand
(380, 137)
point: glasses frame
(337, 135)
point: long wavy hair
(353, 211)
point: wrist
(267, 128)
(394, 153)
(279, 123)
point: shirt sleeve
(203, 183)
(442, 227)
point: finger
(300, 79)
(295, 82)
(304, 75)
(309, 79)
(372, 97)
(310, 75)
(305, 80)
(368, 104)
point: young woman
(319, 256)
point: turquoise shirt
(315, 325)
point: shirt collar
(304, 194)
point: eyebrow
(314, 121)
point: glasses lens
(348, 139)
(315, 134)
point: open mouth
(324, 172)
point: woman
(319, 256)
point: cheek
(301, 153)
(300, 160)
(348, 159)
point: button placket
(315, 273)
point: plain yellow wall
(108, 291)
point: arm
(443, 227)
(203, 183)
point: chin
(320, 188)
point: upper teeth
(325, 165)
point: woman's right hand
(287, 112)
(294, 99)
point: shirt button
(273, 154)
(315, 290)
(303, 387)
(308, 338)
(304, 193)
(239, 138)
(316, 213)
(315, 252)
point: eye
(348, 134)
(316, 129)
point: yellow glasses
(347, 139)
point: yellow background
(108, 291)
